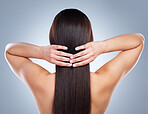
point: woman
(73, 89)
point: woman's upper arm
(117, 68)
(28, 72)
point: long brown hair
(71, 28)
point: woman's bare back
(101, 93)
(103, 81)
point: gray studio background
(30, 21)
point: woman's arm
(17, 56)
(48, 53)
(121, 42)
(24, 50)
(130, 45)
(117, 43)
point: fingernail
(76, 48)
(70, 64)
(74, 65)
(71, 61)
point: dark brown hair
(71, 28)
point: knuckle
(80, 63)
(58, 47)
(67, 64)
(66, 54)
(61, 47)
(60, 58)
(74, 60)
(65, 59)
(91, 59)
(84, 62)
(74, 56)
(92, 53)
(90, 49)
(58, 63)
(77, 54)
(84, 52)
(59, 53)
(83, 58)
(80, 59)
(51, 46)
(68, 59)
(81, 53)
(51, 60)
(77, 64)
(63, 53)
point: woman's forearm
(122, 42)
(24, 49)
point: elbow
(142, 39)
(8, 47)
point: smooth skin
(103, 82)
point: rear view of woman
(73, 89)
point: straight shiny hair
(71, 28)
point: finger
(61, 53)
(60, 47)
(62, 63)
(81, 53)
(81, 47)
(83, 62)
(60, 58)
(82, 58)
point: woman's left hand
(52, 55)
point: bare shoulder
(99, 81)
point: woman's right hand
(52, 55)
(92, 50)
